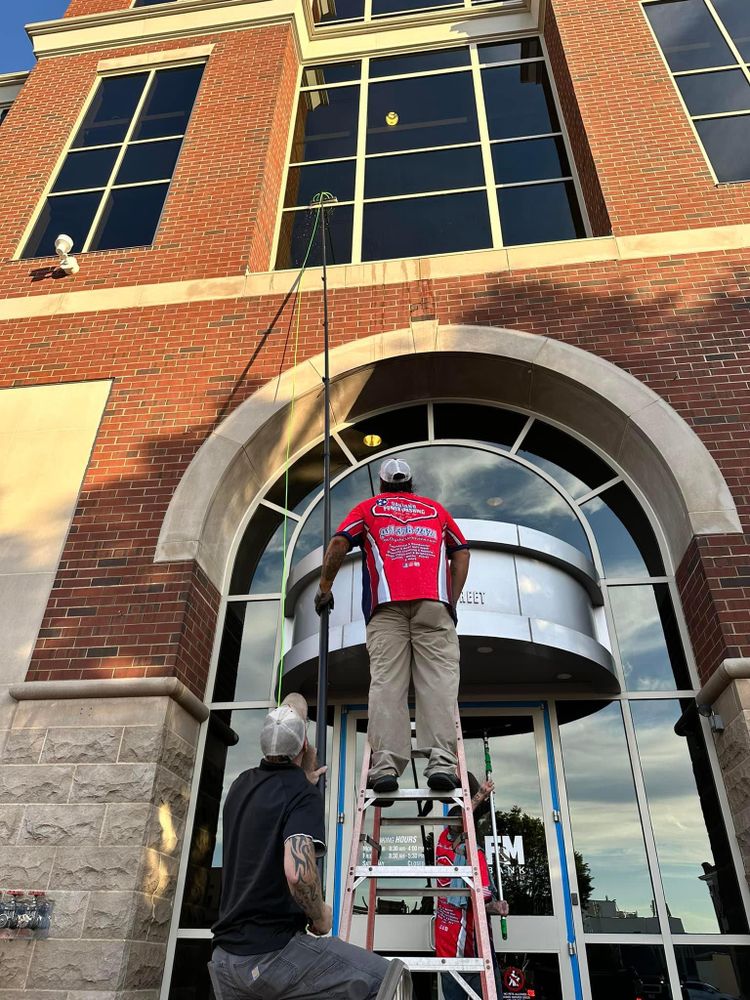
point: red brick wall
(80, 7)
(227, 178)
(679, 325)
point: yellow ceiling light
(372, 440)
(391, 118)
(494, 501)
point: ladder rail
(347, 907)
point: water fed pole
(496, 852)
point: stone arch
(629, 422)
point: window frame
(675, 75)
(150, 69)
(484, 143)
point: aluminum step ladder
(378, 874)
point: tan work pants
(417, 640)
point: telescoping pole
(496, 853)
(324, 202)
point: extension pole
(495, 843)
(322, 717)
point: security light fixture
(63, 246)
(391, 118)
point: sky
(15, 48)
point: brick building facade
(149, 403)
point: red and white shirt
(454, 925)
(407, 541)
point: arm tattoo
(334, 557)
(305, 887)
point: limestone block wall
(733, 748)
(93, 798)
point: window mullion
(484, 139)
(728, 38)
(118, 160)
(359, 172)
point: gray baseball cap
(283, 733)
(395, 470)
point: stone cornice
(129, 687)
(391, 272)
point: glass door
(536, 956)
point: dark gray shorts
(308, 968)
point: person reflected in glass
(416, 561)
(454, 919)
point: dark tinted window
(413, 172)
(648, 638)
(305, 182)
(326, 125)
(736, 17)
(626, 971)
(524, 48)
(190, 980)
(519, 101)
(532, 160)
(727, 142)
(258, 564)
(130, 217)
(306, 478)
(688, 35)
(393, 428)
(169, 103)
(111, 112)
(577, 468)
(382, 7)
(149, 161)
(432, 111)
(337, 10)
(319, 76)
(297, 231)
(417, 226)
(148, 3)
(246, 655)
(723, 967)
(71, 214)
(478, 423)
(712, 93)
(540, 214)
(90, 168)
(419, 62)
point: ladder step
(412, 890)
(414, 871)
(414, 964)
(410, 794)
(421, 821)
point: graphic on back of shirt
(407, 541)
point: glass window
(648, 637)
(149, 3)
(422, 138)
(714, 93)
(326, 125)
(478, 423)
(727, 143)
(519, 101)
(130, 215)
(736, 17)
(246, 656)
(706, 968)
(614, 884)
(111, 111)
(232, 746)
(305, 478)
(298, 230)
(418, 226)
(573, 465)
(626, 540)
(347, 493)
(628, 972)
(410, 173)
(696, 867)
(335, 176)
(542, 213)
(530, 160)
(432, 111)
(337, 10)
(190, 979)
(382, 8)
(90, 168)
(258, 564)
(386, 430)
(688, 35)
(541, 973)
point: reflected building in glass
(537, 262)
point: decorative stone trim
(128, 687)
(727, 673)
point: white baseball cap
(283, 733)
(395, 470)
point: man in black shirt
(270, 939)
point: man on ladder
(415, 565)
